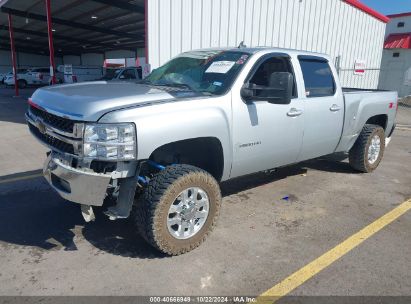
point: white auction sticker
(220, 67)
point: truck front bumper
(75, 185)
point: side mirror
(279, 91)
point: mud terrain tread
(358, 157)
(148, 206)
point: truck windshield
(110, 74)
(200, 71)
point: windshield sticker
(217, 83)
(242, 59)
(220, 67)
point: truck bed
(360, 105)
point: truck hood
(88, 101)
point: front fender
(161, 124)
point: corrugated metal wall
(329, 26)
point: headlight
(110, 141)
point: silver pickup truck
(158, 148)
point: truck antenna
(242, 45)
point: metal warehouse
(88, 32)
(396, 60)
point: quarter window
(318, 77)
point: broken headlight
(110, 141)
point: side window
(129, 74)
(262, 75)
(318, 77)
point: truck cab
(162, 145)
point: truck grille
(60, 123)
(52, 141)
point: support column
(51, 47)
(146, 30)
(13, 55)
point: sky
(387, 7)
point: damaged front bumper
(88, 188)
(76, 185)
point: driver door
(266, 135)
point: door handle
(294, 112)
(335, 108)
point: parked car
(32, 76)
(42, 76)
(9, 78)
(2, 77)
(123, 74)
(163, 145)
(73, 74)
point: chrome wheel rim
(374, 149)
(188, 213)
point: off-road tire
(358, 155)
(151, 207)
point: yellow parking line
(299, 277)
(15, 179)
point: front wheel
(368, 150)
(178, 209)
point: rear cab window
(318, 76)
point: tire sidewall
(21, 84)
(192, 179)
(380, 132)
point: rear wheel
(178, 209)
(21, 83)
(368, 150)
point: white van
(74, 74)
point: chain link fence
(359, 79)
(404, 112)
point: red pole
(13, 55)
(51, 47)
(146, 30)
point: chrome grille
(51, 141)
(57, 122)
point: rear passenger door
(324, 108)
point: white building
(396, 61)
(339, 28)
(346, 29)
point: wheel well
(204, 152)
(379, 120)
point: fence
(404, 112)
(365, 79)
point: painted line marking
(20, 178)
(302, 275)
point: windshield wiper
(175, 85)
